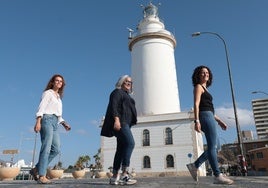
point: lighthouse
(165, 139)
(153, 68)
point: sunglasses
(128, 82)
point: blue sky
(87, 42)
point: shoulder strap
(205, 89)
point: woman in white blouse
(48, 118)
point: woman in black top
(120, 116)
(206, 121)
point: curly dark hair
(196, 75)
(50, 84)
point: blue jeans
(50, 142)
(124, 148)
(209, 127)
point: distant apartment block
(260, 111)
(247, 135)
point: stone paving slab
(150, 182)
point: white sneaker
(126, 180)
(115, 181)
(221, 179)
(193, 171)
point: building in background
(247, 135)
(258, 161)
(260, 111)
(165, 138)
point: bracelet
(196, 121)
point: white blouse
(50, 104)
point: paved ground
(156, 182)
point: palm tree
(82, 162)
(98, 165)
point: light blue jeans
(50, 142)
(125, 146)
(209, 127)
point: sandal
(34, 173)
(43, 180)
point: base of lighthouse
(164, 144)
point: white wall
(185, 140)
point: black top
(120, 105)
(206, 102)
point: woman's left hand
(66, 126)
(222, 124)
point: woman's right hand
(197, 127)
(37, 127)
(117, 125)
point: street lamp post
(238, 130)
(34, 150)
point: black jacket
(122, 106)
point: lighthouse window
(168, 136)
(170, 161)
(146, 162)
(146, 138)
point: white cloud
(81, 132)
(95, 123)
(245, 120)
(245, 116)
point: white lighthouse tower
(165, 139)
(153, 66)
